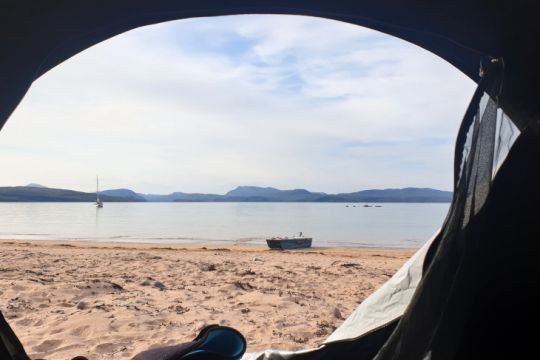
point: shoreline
(227, 244)
(113, 300)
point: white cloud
(208, 104)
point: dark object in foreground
(214, 342)
(286, 243)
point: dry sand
(111, 301)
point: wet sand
(111, 300)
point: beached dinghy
(285, 243)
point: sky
(208, 104)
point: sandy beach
(111, 301)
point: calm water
(392, 225)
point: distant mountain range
(36, 192)
(43, 194)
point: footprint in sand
(47, 345)
(80, 331)
(56, 331)
(24, 322)
(109, 348)
(66, 304)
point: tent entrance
(425, 310)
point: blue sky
(204, 105)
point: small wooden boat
(286, 243)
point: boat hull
(287, 244)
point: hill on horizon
(239, 194)
(36, 185)
(43, 194)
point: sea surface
(330, 224)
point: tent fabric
(507, 134)
(387, 303)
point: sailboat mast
(99, 204)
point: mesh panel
(488, 141)
(483, 162)
(480, 158)
(466, 153)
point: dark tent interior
(478, 296)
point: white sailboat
(99, 203)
